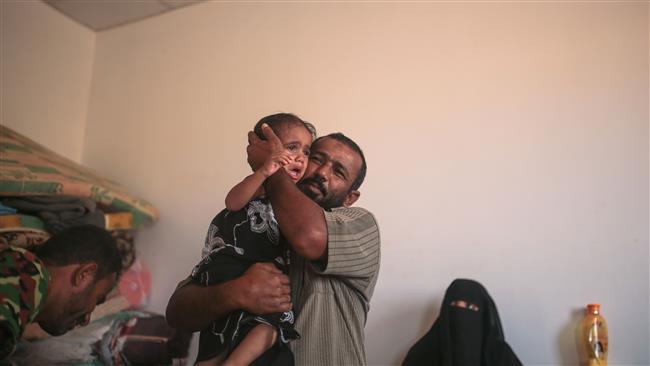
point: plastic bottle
(593, 339)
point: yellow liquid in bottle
(594, 342)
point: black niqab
(467, 332)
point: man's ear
(351, 198)
(84, 276)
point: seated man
(334, 265)
(57, 286)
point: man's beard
(53, 329)
(71, 315)
(326, 200)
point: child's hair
(275, 121)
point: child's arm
(256, 342)
(249, 188)
(244, 191)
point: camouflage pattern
(23, 286)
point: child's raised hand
(274, 162)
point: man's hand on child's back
(263, 289)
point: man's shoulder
(19, 261)
(345, 221)
(23, 286)
(352, 213)
(22, 272)
(351, 209)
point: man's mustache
(318, 182)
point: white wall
(47, 62)
(506, 143)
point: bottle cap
(593, 308)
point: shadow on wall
(412, 331)
(566, 339)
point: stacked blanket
(59, 212)
(29, 169)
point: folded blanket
(5, 210)
(30, 169)
(59, 212)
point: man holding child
(334, 258)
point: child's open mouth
(294, 173)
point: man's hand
(264, 289)
(259, 150)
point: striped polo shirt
(332, 296)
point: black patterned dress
(235, 241)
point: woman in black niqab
(467, 332)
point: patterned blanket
(29, 169)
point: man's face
(333, 167)
(76, 309)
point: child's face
(297, 140)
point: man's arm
(302, 221)
(263, 289)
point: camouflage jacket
(23, 286)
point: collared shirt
(332, 296)
(24, 282)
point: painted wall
(47, 62)
(506, 143)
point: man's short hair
(81, 245)
(278, 120)
(361, 174)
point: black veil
(467, 332)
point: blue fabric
(6, 210)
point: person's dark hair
(278, 120)
(361, 174)
(81, 245)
